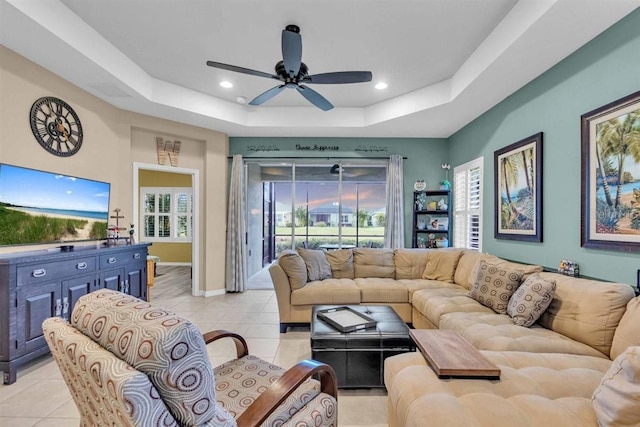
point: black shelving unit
(430, 217)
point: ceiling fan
(294, 74)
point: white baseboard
(212, 293)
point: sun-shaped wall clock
(56, 126)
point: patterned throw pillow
(531, 300)
(615, 401)
(318, 267)
(494, 285)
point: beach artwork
(518, 172)
(44, 207)
(611, 196)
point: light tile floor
(40, 398)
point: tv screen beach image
(44, 207)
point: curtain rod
(312, 158)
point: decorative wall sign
(168, 149)
(611, 176)
(518, 190)
(56, 126)
(372, 148)
(316, 147)
(266, 148)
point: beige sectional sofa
(550, 370)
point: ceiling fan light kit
(294, 74)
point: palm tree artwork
(617, 152)
(517, 195)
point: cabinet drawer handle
(136, 256)
(41, 272)
(81, 265)
(111, 260)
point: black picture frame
(610, 198)
(518, 216)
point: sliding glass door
(325, 206)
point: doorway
(194, 174)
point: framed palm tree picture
(518, 190)
(611, 176)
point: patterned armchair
(127, 363)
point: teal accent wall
(604, 70)
(423, 157)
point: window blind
(467, 185)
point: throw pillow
(294, 267)
(441, 265)
(341, 263)
(493, 286)
(615, 401)
(318, 267)
(626, 333)
(531, 300)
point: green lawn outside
(332, 231)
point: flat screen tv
(38, 207)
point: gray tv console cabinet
(40, 284)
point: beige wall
(113, 140)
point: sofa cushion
(328, 291)
(433, 303)
(586, 310)
(531, 300)
(370, 262)
(491, 331)
(374, 289)
(410, 263)
(418, 284)
(627, 331)
(294, 267)
(441, 265)
(616, 401)
(494, 285)
(318, 267)
(341, 263)
(467, 268)
(526, 397)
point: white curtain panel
(236, 268)
(394, 230)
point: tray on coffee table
(345, 319)
(451, 356)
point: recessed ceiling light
(381, 85)
(226, 84)
(241, 100)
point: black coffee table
(358, 357)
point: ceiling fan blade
(241, 70)
(265, 96)
(291, 49)
(315, 98)
(339, 77)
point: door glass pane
(371, 214)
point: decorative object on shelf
(132, 239)
(113, 231)
(442, 206)
(421, 201)
(610, 203)
(419, 185)
(442, 243)
(432, 241)
(518, 190)
(445, 184)
(434, 224)
(421, 224)
(432, 206)
(56, 126)
(570, 268)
